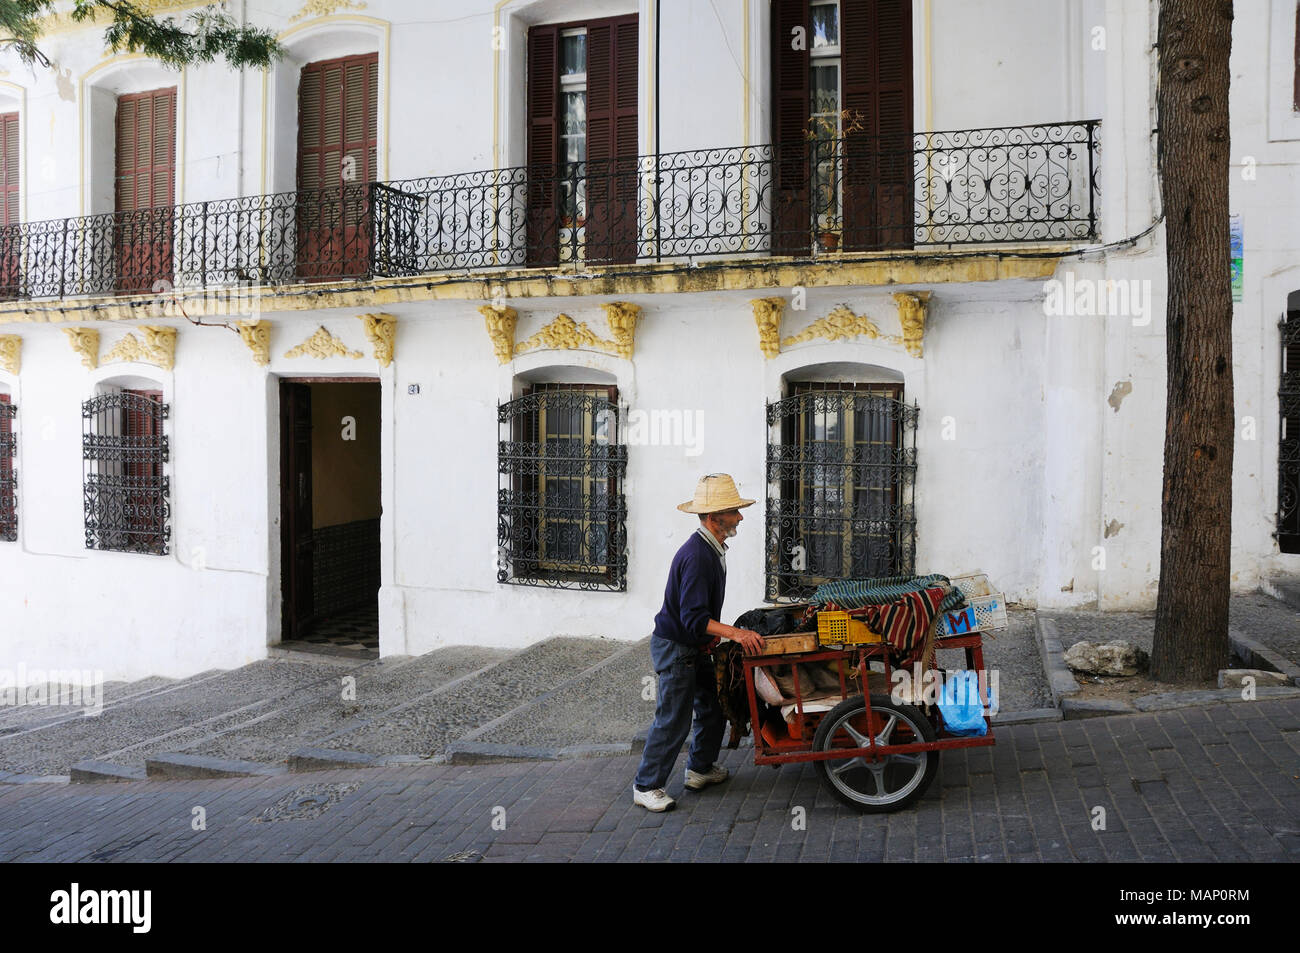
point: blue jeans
(685, 678)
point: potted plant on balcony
(826, 133)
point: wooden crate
(789, 644)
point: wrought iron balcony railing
(1010, 184)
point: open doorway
(329, 515)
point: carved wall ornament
(11, 352)
(841, 324)
(381, 331)
(322, 345)
(257, 335)
(912, 307)
(323, 8)
(501, 322)
(85, 341)
(622, 318)
(564, 333)
(156, 346)
(767, 315)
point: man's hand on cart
(748, 639)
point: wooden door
(296, 550)
(145, 189)
(337, 141)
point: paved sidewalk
(1215, 784)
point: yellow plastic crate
(837, 628)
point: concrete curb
(323, 759)
(1256, 655)
(1028, 717)
(1164, 701)
(13, 777)
(481, 752)
(173, 766)
(1075, 708)
(91, 772)
(1060, 680)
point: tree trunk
(1191, 636)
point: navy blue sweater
(693, 596)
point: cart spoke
(854, 763)
(862, 740)
(885, 732)
(877, 769)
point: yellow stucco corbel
(767, 315)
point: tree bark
(1191, 635)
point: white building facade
(443, 314)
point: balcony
(810, 200)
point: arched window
(124, 448)
(841, 462)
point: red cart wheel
(890, 783)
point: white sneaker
(696, 780)
(656, 800)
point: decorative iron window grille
(561, 512)
(1288, 445)
(127, 504)
(8, 475)
(841, 468)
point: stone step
(603, 705)
(145, 722)
(22, 717)
(321, 711)
(1283, 587)
(174, 766)
(426, 725)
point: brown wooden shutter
(338, 130)
(145, 180)
(792, 211)
(1296, 98)
(146, 149)
(9, 166)
(612, 77)
(543, 145)
(10, 277)
(876, 44)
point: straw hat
(715, 493)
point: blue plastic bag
(960, 705)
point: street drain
(307, 803)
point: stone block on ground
(1108, 658)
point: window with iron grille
(8, 477)
(126, 492)
(1288, 446)
(841, 463)
(561, 512)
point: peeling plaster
(67, 91)
(1122, 390)
(1113, 528)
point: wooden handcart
(875, 752)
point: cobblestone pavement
(1220, 783)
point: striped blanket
(903, 609)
